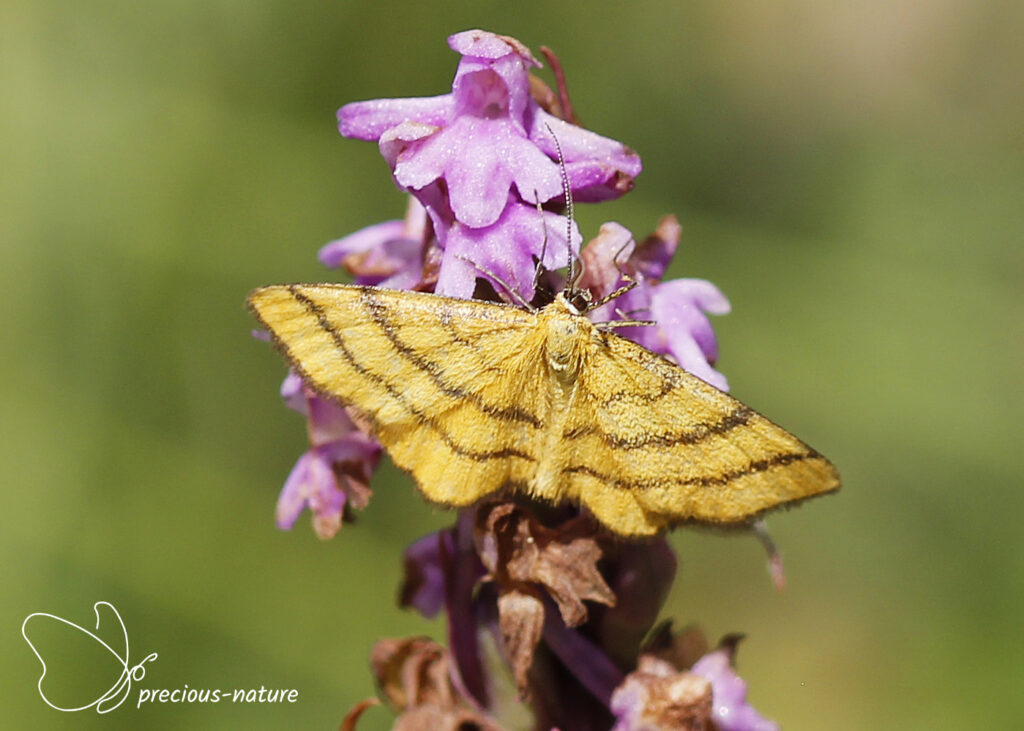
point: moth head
(579, 300)
(574, 301)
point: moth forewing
(473, 397)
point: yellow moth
(474, 398)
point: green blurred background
(850, 175)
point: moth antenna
(630, 313)
(625, 316)
(630, 284)
(544, 241)
(612, 324)
(508, 288)
(615, 258)
(623, 274)
(574, 274)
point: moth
(476, 398)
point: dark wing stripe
(379, 314)
(724, 478)
(649, 397)
(316, 311)
(739, 417)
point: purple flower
(389, 254)
(335, 473)
(504, 252)
(424, 586)
(677, 307)
(731, 711)
(489, 134)
(479, 160)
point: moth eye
(580, 301)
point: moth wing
(654, 446)
(449, 384)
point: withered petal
(412, 671)
(517, 549)
(521, 622)
(352, 717)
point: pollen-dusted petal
(484, 44)
(507, 250)
(479, 159)
(370, 119)
(478, 181)
(465, 155)
(457, 276)
(492, 79)
(599, 167)
(732, 712)
(480, 91)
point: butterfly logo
(118, 692)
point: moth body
(568, 336)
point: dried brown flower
(517, 549)
(524, 557)
(414, 675)
(656, 696)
